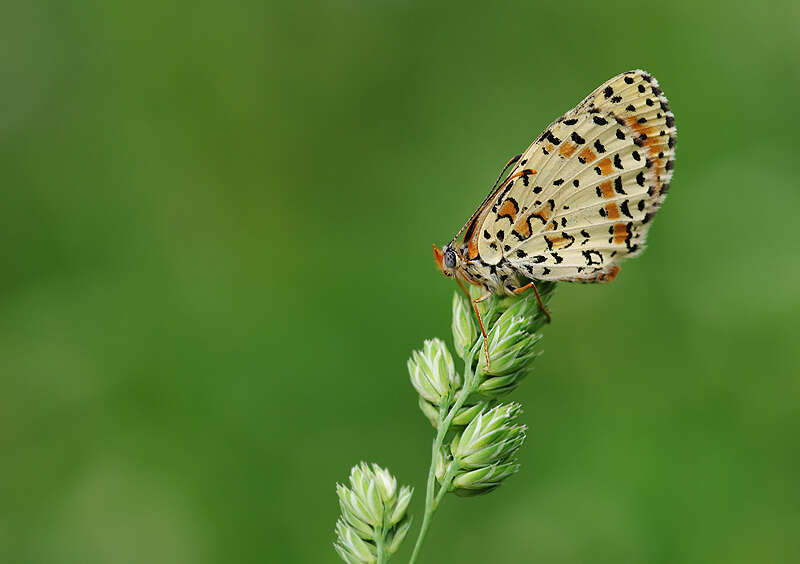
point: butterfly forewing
(582, 195)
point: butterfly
(578, 201)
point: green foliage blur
(215, 238)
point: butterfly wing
(582, 196)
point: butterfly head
(448, 259)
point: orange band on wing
(606, 189)
(649, 137)
(612, 211)
(509, 209)
(605, 167)
(587, 155)
(567, 149)
(620, 233)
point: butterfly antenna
(511, 161)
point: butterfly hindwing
(582, 196)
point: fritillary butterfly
(578, 201)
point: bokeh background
(215, 244)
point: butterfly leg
(538, 297)
(475, 303)
(463, 289)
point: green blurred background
(216, 227)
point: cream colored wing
(581, 197)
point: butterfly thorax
(500, 278)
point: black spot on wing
(552, 138)
(593, 257)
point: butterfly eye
(449, 259)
